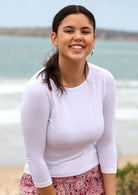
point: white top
(69, 134)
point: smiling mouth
(77, 47)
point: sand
(10, 176)
(9, 180)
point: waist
(73, 166)
(90, 173)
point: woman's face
(75, 38)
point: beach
(9, 180)
(10, 176)
(21, 57)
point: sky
(109, 14)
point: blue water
(21, 57)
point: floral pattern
(89, 183)
(26, 186)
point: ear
(94, 38)
(54, 39)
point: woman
(68, 116)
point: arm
(47, 190)
(34, 116)
(106, 145)
(109, 183)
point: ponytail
(51, 71)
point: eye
(69, 31)
(85, 32)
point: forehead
(75, 20)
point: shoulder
(36, 86)
(100, 73)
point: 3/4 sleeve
(34, 119)
(106, 145)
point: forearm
(49, 190)
(109, 183)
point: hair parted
(72, 9)
(51, 70)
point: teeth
(77, 47)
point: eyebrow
(83, 28)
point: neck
(73, 74)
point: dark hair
(51, 70)
(71, 9)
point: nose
(77, 36)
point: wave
(10, 116)
(127, 84)
(13, 86)
(11, 94)
(129, 114)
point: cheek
(63, 41)
(91, 43)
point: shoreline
(10, 176)
(103, 34)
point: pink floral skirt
(89, 183)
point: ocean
(21, 57)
